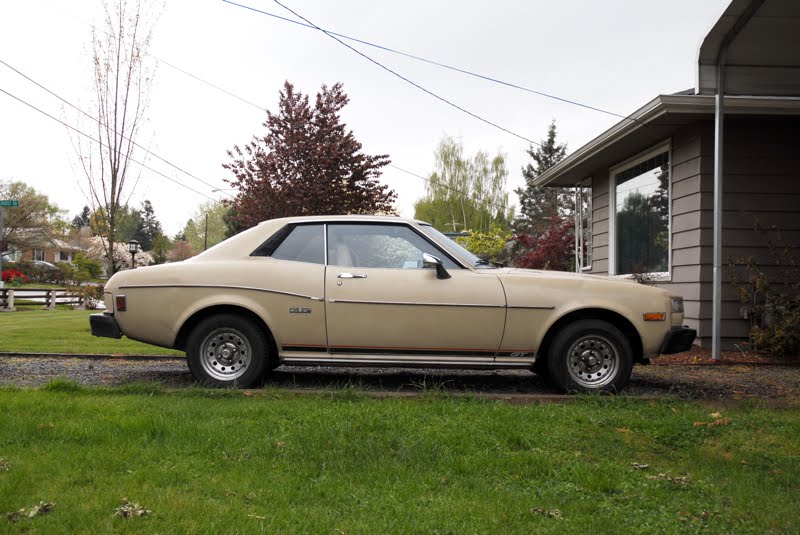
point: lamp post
(133, 247)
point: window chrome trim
(222, 286)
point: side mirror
(430, 261)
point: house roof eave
(652, 123)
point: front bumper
(105, 325)
(678, 339)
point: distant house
(39, 244)
(646, 185)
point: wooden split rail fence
(47, 298)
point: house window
(38, 254)
(641, 200)
(583, 226)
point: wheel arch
(614, 318)
(200, 315)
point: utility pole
(205, 235)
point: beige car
(386, 291)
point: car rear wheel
(590, 356)
(227, 350)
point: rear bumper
(678, 339)
(104, 325)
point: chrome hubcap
(593, 361)
(225, 354)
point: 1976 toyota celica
(386, 291)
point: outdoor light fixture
(133, 247)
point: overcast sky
(611, 54)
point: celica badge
(299, 310)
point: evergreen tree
(538, 204)
(149, 226)
(83, 219)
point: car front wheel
(227, 350)
(590, 356)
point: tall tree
(149, 226)
(122, 79)
(465, 193)
(82, 219)
(307, 163)
(160, 248)
(538, 204)
(35, 213)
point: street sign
(8, 202)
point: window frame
(652, 151)
(271, 244)
(444, 253)
(580, 246)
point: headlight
(677, 305)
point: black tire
(540, 367)
(227, 350)
(590, 356)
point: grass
(274, 462)
(63, 331)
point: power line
(103, 145)
(407, 80)
(98, 121)
(250, 103)
(218, 88)
(436, 63)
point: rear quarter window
(304, 243)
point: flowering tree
(122, 257)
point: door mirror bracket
(430, 261)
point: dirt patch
(702, 356)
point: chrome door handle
(352, 276)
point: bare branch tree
(123, 77)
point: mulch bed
(702, 356)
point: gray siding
(761, 188)
(687, 179)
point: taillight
(120, 303)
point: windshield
(465, 254)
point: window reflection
(642, 216)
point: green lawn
(63, 331)
(275, 462)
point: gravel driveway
(709, 382)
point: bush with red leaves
(10, 274)
(553, 249)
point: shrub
(87, 267)
(90, 294)
(773, 307)
(14, 277)
(489, 245)
(553, 249)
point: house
(647, 185)
(39, 244)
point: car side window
(305, 243)
(380, 246)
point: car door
(293, 289)
(383, 305)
